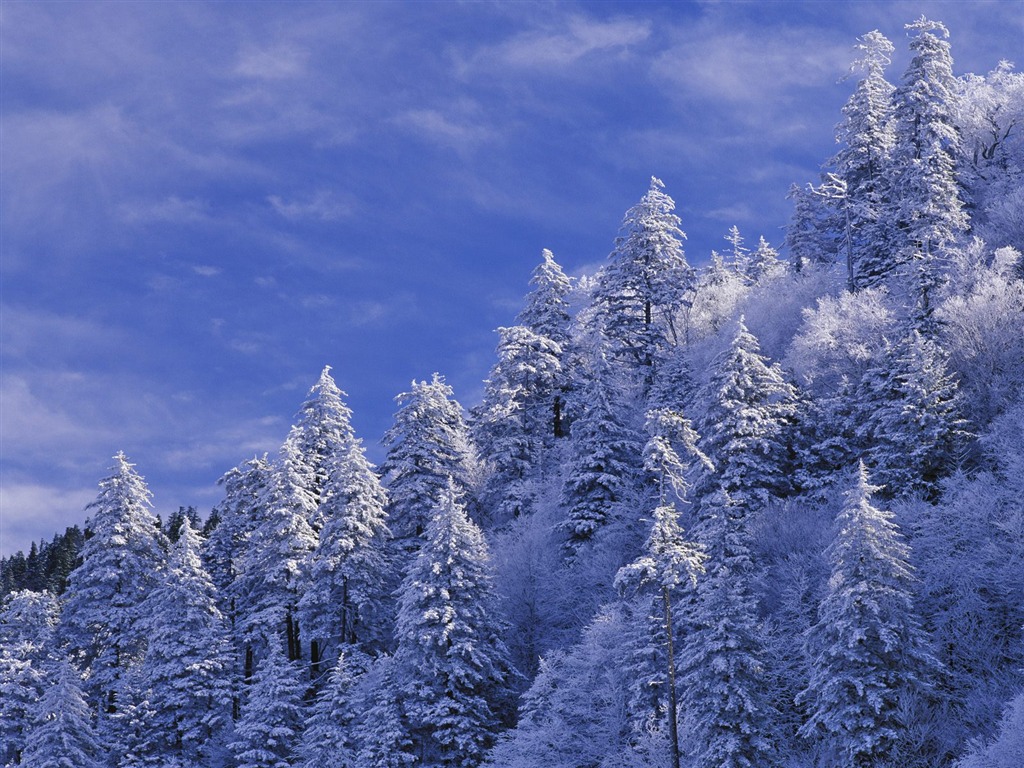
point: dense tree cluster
(765, 511)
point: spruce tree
(328, 740)
(869, 655)
(267, 734)
(428, 444)
(645, 284)
(186, 669)
(102, 623)
(63, 734)
(546, 311)
(747, 424)
(451, 658)
(863, 164)
(383, 730)
(725, 684)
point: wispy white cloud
(562, 43)
(29, 511)
(279, 61)
(322, 205)
(454, 128)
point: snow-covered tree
(730, 720)
(382, 731)
(63, 734)
(931, 210)
(746, 425)
(268, 731)
(328, 740)
(27, 622)
(452, 660)
(343, 597)
(102, 623)
(907, 417)
(322, 433)
(603, 461)
(765, 263)
(513, 426)
(646, 282)
(185, 673)
(428, 444)
(870, 656)
(862, 164)
(546, 310)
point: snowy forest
(765, 511)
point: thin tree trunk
(673, 727)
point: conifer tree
(321, 435)
(603, 462)
(726, 686)
(907, 417)
(869, 653)
(646, 283)
(328, 740)
(186, 669)
(453, 663)
(267, 734)
(427, 445)
(546, 311)
(747, 424)
(102, 621)
(931, 210)
(764, 262)
(342, 600)
(63, 734)
(863, 162)
(383, 730)
(513, 428)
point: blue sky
(205, 203)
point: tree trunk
(673, 727)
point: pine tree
(747, 424)
(342, 601)
(726, 685)
(328, 740)
(907, 417)
(866, 136)
(63, 734)
(765, 263)
(185, 671)
(869, 653)
(932, 212)
(383, 730)
(810, 238)
(646, 283)
(267, 733)
(102, 620)
(603, 462)
(452, 660)
(546, 312)
(427, 445)
(322, 434)
(513, 429)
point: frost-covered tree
(63, 734)
(926, 151)
(451, 657)
(603, 461)
(428, 444)
(185, 673)
(382, 731)
(342, 602)
(276, 562)
(322, 433)
(907, 417)
(546, 310)
(646, 283)
(863, 162)
(765, 263)
(810, 238)
(869, 654)
(513, 428)
(268, 731)
(102, 623)
(729, 718)
(746, 425)
(328, 740)
(27, 623)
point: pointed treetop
(875, 52)
(924, 25)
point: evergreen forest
(756, 508)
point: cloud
(171, 209)
(579, 38)
(205, 270)
(282, 61)
(322, 205)
(455, 130)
